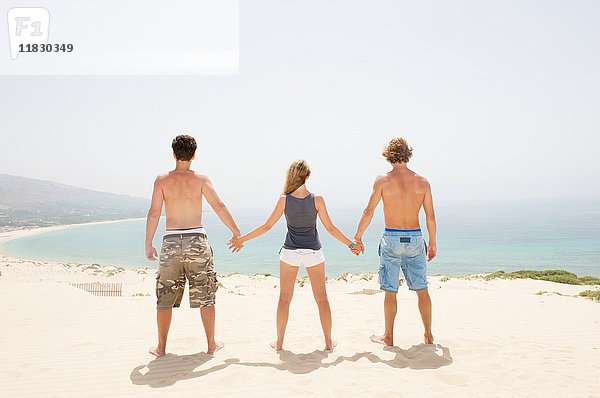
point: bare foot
(382, 340)
(331, 345)
(218, 345)
(275, 346)
(158, 353)
(428, 338)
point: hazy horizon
(498, 101)
(451, 203)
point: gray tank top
(301, 217)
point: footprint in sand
(454, 379)
(14, 374)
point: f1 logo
(27, 26)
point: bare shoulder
(422, 181)
(421, 178)
(200, 181)
(281, 201)
(161, 178)
(381, 180)
(319, 202)
(201, 178)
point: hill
(26, 202)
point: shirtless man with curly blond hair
(402, 246)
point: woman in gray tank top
(301, 247)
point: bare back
(181, 191)
(182, 195)
(403, 192)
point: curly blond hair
(397, 151)
(296, 176)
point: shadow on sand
(422, 356)
(171, 368)
(168, 370)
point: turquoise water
(471, 239)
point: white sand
(494, 339)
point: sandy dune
(494, 339)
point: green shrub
(590, 280)
(367, 277)
(591, 294)
(541, 293)
(558, 276)
(344, 277)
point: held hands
(357, 247)
(151, 253)
(235, 244)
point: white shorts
(298, 257)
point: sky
(499, 99)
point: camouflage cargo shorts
(185, 257)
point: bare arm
(431, 226)
(272, 220)
(327, 223)
(153, 219)
(367, 214)
(219, 207)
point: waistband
(403, 232)
(185, 232)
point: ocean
(471, 239)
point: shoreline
(23, 233)
(62, 271)
(547, 274)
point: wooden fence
(101, 289)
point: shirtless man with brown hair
(185, 252)
(402, 245)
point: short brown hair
(397, 151)
(184, 147)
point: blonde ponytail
(296, 176)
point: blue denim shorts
(406, 249)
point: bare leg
(208, 320)
(287, 280)
(316, 274)
(390, 307)
(163, 321)
(425, 310)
